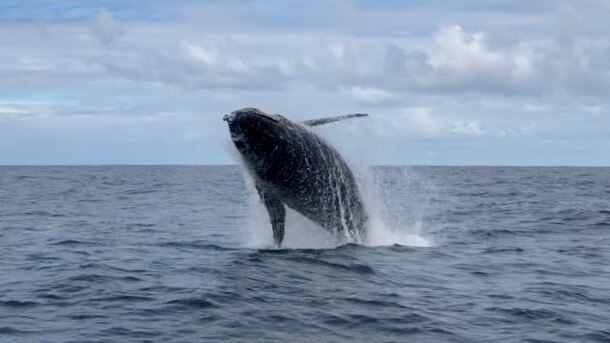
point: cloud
(425, 72)
(449, 60)
(410, 123)
(369, 95)
(595, 109)
(190, 65)
(419, 118)
(464, 53)
(457, 61)
(508, 132)
(472, 128)
(11, 110)
(525, 130)
(11, 113)
(106, 28)
(221, 63)
(536, 108)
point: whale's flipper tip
(322, 121)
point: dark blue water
(171, 254)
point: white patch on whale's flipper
(322, 121)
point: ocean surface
(184, 254)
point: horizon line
(370, 165)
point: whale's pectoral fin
(277, 213)
(322, 121)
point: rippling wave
(177, 254)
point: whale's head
(260, 138)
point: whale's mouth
(228, 117)
(236, 124)
(236, 134)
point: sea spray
(392, 220)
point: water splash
(393, 219)
(382, 235)
(395, 212)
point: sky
(460, 82)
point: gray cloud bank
(435, 75)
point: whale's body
(294, 167)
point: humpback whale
(292, 166)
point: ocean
(184, 254)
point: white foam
(380, 235)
